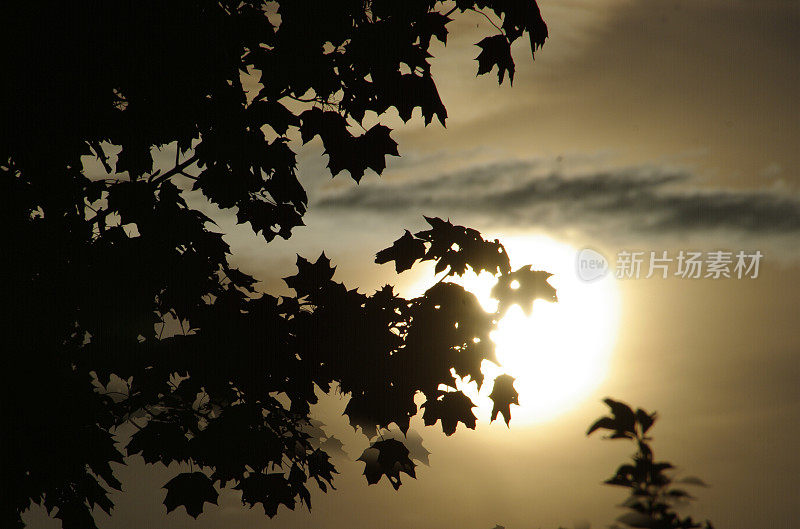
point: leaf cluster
(653, 491)
(124, 308)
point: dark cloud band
(643, 199)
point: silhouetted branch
(98, 150)
(178, 169)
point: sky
(641, 126)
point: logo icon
(591, 265)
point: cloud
(646, 200)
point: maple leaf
(297, 479)
(457, 248)
(320, 439)
(373, 146)
(270, 490)
(537, 29)
(418, 452)
(333, 446)
(496, 50)
(321, 469)
(449, 330)
(273, 114)
(413, 441)
(371, 410)
(503, 395)
(192, 490)
(310, 278)
(432, 25)
(522, 287)
(387, 458)
(264, 216)
(404, 252)
(345, 151)
(452, 408)
(315, 122)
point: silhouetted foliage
(101, 265)
(503, 395)
(653, 496)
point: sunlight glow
(559, 354)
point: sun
(561, 352)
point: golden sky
(659, 125)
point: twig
(175, 170)
(98, 151)
(489, 19)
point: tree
(100, 266)
(653, 497)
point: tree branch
(101, 155)
(175, 170)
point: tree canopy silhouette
(100, 264)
